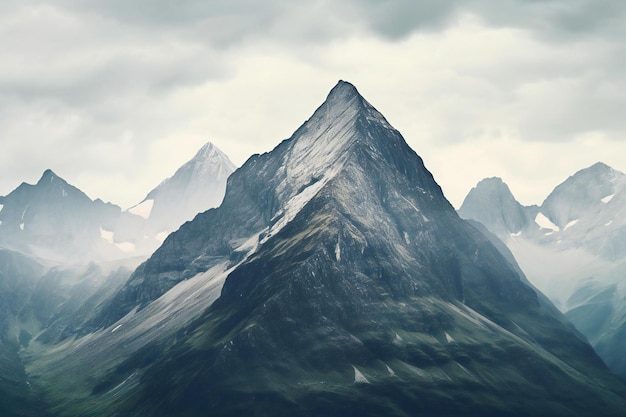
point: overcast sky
(114, 95)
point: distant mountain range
(334, 279)
(54, 220)
(62, 255)
(572, 247)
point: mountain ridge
(573, 248)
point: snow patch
(338, 252)
(411, 204)
(142, 209)
(570, 224)
(22, 226)
(115, 328)
(608, 223)
(545, 223)
(449, 338)
(418, 371)
(359, 378)
(294, 206)
(63, 192)
(248, 244)
(407, 239)
(389, 370)
(106, 235)
(1, 205)
(607, 198)
(464, 369)
(516, 234)
(471, 316)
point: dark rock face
(355, 290)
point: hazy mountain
(65, 259)
(573, 248)
(334, 279)
(197, 186)
(18, 277)
(492, 203)
(56, 221)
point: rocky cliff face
(335, 279)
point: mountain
(588, 208)
(61, 258)
(42, 303)
(197, 186)
(492, 203)
(573, 248)
(56, 221)
(334, 279)
(18, 277)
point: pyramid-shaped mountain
(55, 220)
(345, 284)
(196, 186)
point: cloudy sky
(114, 95)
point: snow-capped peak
(208, 164)
(196, 186)
(48, 177)
(582, 193)
(318, 148)
(210, 152)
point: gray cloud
(91, 85)
(237, 19)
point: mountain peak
(343, 89)
(492, 183)
(207, 150)
(344, 99)
(599, 170)
(600, 166)
(580, 193)
(48, 176)
(492, 203)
